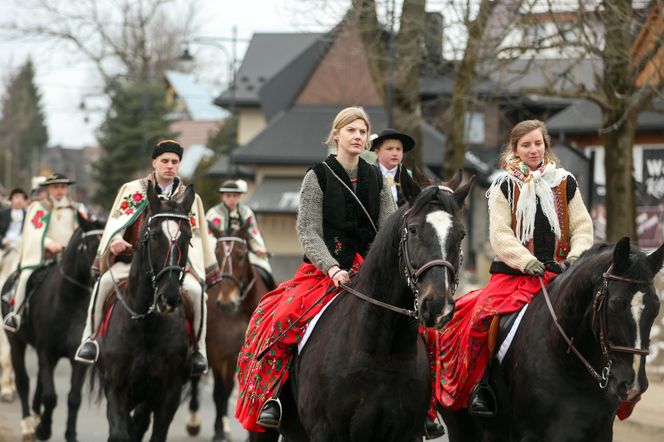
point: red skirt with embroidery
(293, 303)
(462, 344)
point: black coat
(6, 220)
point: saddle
(499, 328)
(111, 301)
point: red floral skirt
(462, 344)
(292, 304)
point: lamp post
(232, 72)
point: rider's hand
(338, 276)
(535, 267)
(54, 248)
(120, 246)
(260, 250)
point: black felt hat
(392, 134)
(56, 178)
(167, 146)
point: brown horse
(230, 305)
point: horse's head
(165, 242)
(232, 252)
(86, 242)
(430, 245)
(624, 310)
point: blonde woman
(343, 201)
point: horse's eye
(412, 229)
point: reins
(227, 262)
(599, 308)
(81, 248)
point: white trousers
(21, 287)
(120, 270)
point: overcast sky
(65, 78)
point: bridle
(226, 266)
(599, 314)
(412, 274)
(81, 249)
(169, 264)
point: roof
(222, 169)
(585, 116)
(276, 195)
(192, 158)
(267, 54)
(196, 97)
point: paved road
(92, 424)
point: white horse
(8, 263)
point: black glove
(556, 267)
(535, 267)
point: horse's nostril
(623, 388)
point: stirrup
(17, 321)
(276, 401)
(87, 361)
(490, 395)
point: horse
(363, 374)
(571, 365)
(230, 305)
(8, 264)
(145, 351)
(53, 324)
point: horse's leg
(7, 388)
(74, 399)
(220, 395)
(163, 414)
(140, 421)
(48, 395)
(267, 436)
(194, 421)
(117, 413)
(460, 425)
(22, 387)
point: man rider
(120, 239)
(390, 147)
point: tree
(126, 145)
(23, 133)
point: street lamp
(232, 61)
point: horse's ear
(216, 232)
(189, 197)
(85, 224)
(153, 198)
(454, 182)
(462, 192)
(242, 233)
(409, 187)
(621, 254)
(656, 259)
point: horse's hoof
(193, 430)
(29, 437)
(7, 396)
(221, 437)
(42, 432)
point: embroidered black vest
(346, 228)
(544, 245)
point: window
(474, 128)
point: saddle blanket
(312, 325)
(505, 345)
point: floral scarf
(534, 185)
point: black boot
(433, 430)
(199, 364)
(483, 401)
(270, 415)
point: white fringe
(541, 185)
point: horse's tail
(96, 390)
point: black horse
(145, 356)
(364, 374)
(607, 303)
(53, 324)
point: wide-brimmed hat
(392, 134)
(231, 186)
(56, 178)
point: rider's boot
(432, 429)
(12, 322)
(199, 364)
(483, 400)
(270, 415)
(87, 352)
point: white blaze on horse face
(637, 307)
(441, 222)
(171, 230)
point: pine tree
(135, 121)
(23, 133)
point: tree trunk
(407, 109)
(364, 15)
(455, 150)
